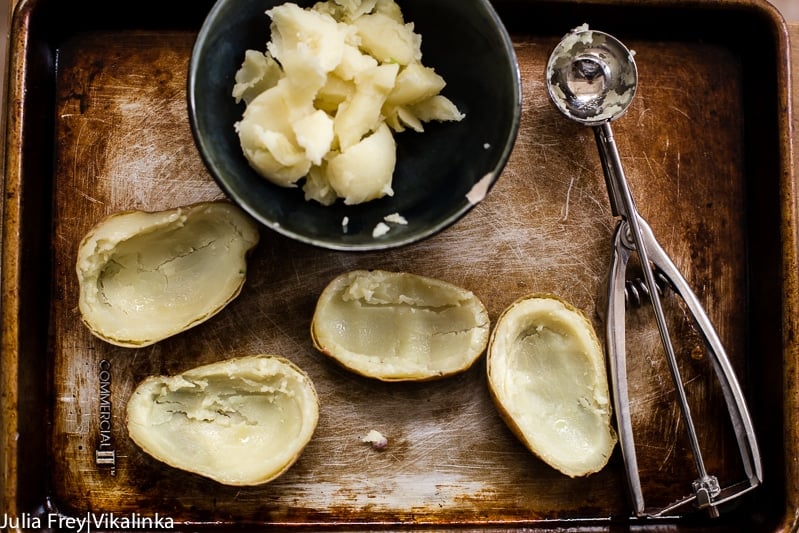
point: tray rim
(11, 213)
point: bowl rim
(483, 185)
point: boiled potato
(361, 113)
(146, 276)
(352, 62)
(546, 374)
(306, 78)
(399, 117)
(318, 36)
(415, 99)
(398, 326)
(330, 78)
(346, 10)
(335, 91)
(317, 186)
(243, 421)
(436, 107)
(390, 9)
(315, 134)
(258, 73)
(363, 172)
(387, 40)
(267, 137)
(415, 83)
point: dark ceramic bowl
(464, 41)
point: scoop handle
(611, 168)
(733, 395)
(706, 494)
(615, 328)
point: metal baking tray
(97, 123)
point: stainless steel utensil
(592, 79)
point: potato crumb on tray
(376, 439)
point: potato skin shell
(218, 366)
(507, 418)
(91, 246)
(421, 376)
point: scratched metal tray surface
(97, 123)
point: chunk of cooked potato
(360, 113)
(387, 40)
(363, 172)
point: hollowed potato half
(145, 276)
(546, 374)
(243, 421)
(397, 326)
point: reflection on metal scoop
(592, 78)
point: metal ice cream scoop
(592, 79)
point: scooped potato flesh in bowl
(325, 97)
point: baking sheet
(704, 147)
